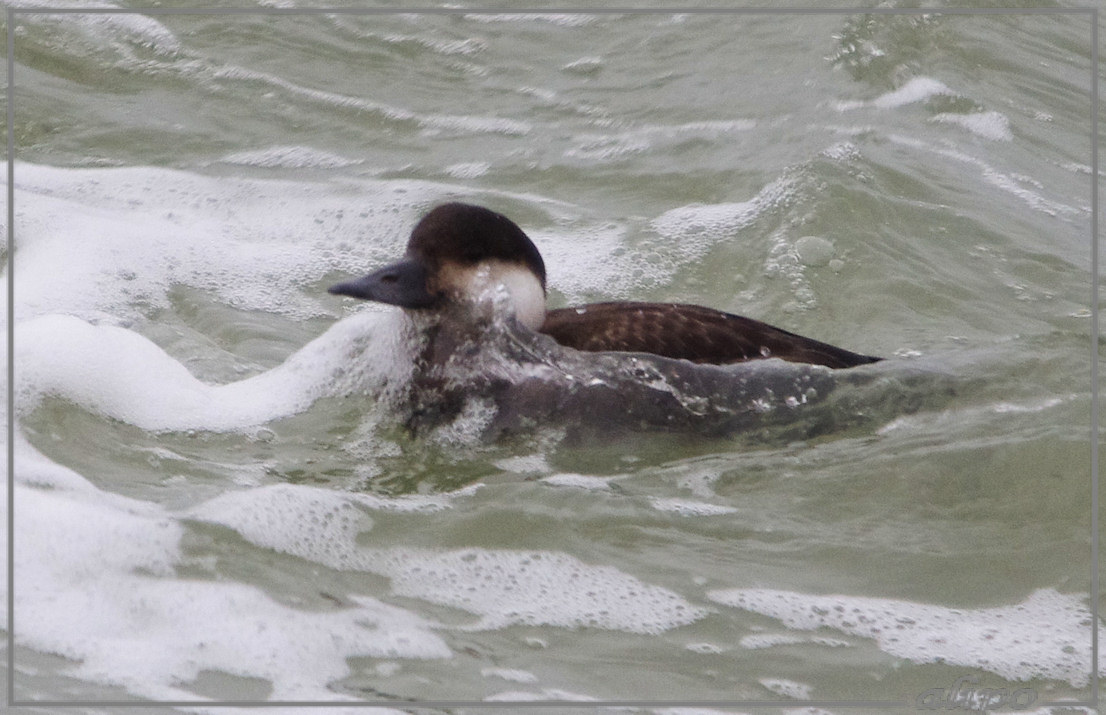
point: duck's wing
(688, 332)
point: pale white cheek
(524, 288)
(528, 297)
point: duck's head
(456, 253)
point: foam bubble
(466, 428)
(708, 224)
(787, 688)
(989, 125)
(312, 522)
(713, 221)
(536, 588)
(512, 674)
(1043, 637)
(814, 250)
(502, 587)
(843, 151)
(685, 507)
(612, 269)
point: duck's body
(687, 332)
(458, 252)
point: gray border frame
(11, 12)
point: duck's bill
(402, 284)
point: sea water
(211, 505)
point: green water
(946, 159)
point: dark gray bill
(402, 283)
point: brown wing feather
(688, 332)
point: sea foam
(1045, 636)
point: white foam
(121, 32)
(524, 464)
(312, 522)
(615, 146)
(110, 244)
(757, 641)
(699, 226)
(842, 151)
(989, 125)
(1076, 167)
(501, 587)
(429, 123)
(289, 157)
(97, 584)
(553, 18)
(706, 223)
(544, 694)
(1038, 406)
(583, 65)
(1044, 637)
(467, 46)
(273, 502)
(611, 269)
(512, 674)
(579, 481)
(940, 420)
(605, 148)
(686, 507)
(787, 688)
(536, 588)
(468, 170)
(120, 374)
(1004, 182)
(917, 89)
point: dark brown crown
(468, 234)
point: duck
(458, 250)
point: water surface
(210, 503)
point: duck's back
(688, 332)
